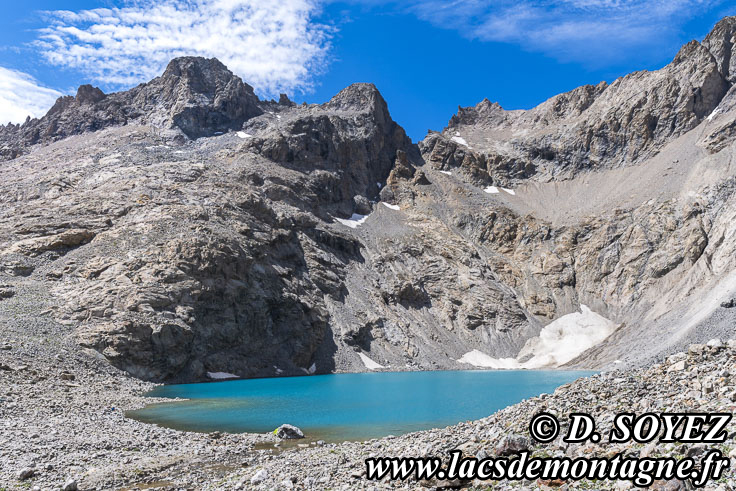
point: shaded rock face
(195, 96)
(351, 137)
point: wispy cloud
(590, 31)
(273, 45)
(22, 96)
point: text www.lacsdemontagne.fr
(639, 471)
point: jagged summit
(199, 96)
(595, 126)
(194, 95)
(358, 97)
(86, 94)
(720, 43)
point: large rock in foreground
(288, 432)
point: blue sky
(425, 56)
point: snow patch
(379, 185)
(510, 191)
(243, 134)
(221, 375)
(393, 207)
(713, 114)
(567, 337)
(353, 221)
(491, 190)
(482, 360)
(460, 140)
(446, 172)
(369, 364)
(558, 343)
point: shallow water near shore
(349, 406)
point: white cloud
(591, 31)
(22, 96)
(273, 45)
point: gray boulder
(512, 444)
(289, 432)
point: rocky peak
(194, 95)
(484, 111)
(197, 75)
(351, 136)
(199, 96)
(361, 97)
(285, 101)
(86, 94)
(719, 43)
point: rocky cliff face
(190, 228)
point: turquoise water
(349, 406)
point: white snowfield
(369, 364)
(446, 172)
(510, 191)
(460, 140)
(243, 134)
(221, 375)
(353, 221)
(393, 207)
(491, 190)
(558, 343)
(480, 359)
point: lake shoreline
(63, 428)
(62, 412)
(347, 406)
